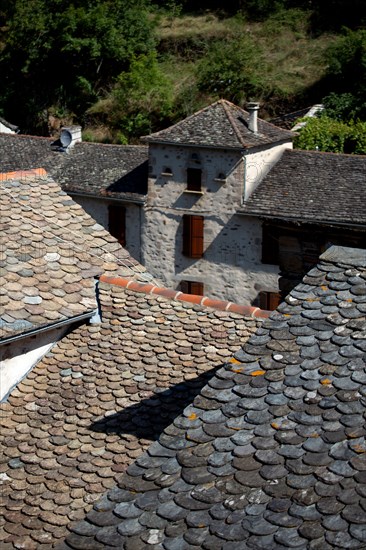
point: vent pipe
(253, 117)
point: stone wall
(97, 208)
(231, 267)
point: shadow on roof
(135, 181)
(148, 418)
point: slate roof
(222, 125)
(272, 453)
(50, 252)
(313, 187)
(88, 168)
(96, 401)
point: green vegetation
(125, 68)
(335, 136)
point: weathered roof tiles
(313, 187)
(222, 125)
(272, 453)
(50, 253)
(96, 401)
(87, 168)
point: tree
(67, 55)
(326, 134)
(347, 71)
(139, 102)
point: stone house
(218, 204)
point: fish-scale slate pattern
(50, 252)
(313, 186)
(272, 453)
(87, 168)
(92, 405)
(223, 125)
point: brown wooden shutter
(193, 236)
(269, 300)
(192, 287)
(196, 288)
(117, 222)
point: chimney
(253, 117)
(69, 136)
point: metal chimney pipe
(253, 109)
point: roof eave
(297, 219)
(49, 326)
(101, 196)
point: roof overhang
(302, 221)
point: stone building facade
(199, 178)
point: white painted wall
(231, 268)
(20, 356)
(97, 208)
(259, 162)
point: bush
(326, 134)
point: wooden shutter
(194, 178)
(269, 300)
(193, 236)
(117, 222)
(192, 287)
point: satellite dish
(65, 138)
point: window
(270, 248)
(194, 179)
(193, 236)
(117, 223)
(269, 300)
(192, 287)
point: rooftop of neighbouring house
(223, 125)
(313, 187)
(97, 400)
(272, 452)
(50, 253)
(93, 169)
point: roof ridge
(222, 305)
(232, 121)
(23, 174)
